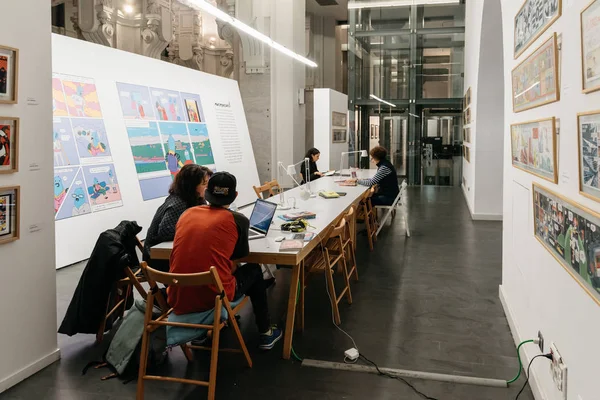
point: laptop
(260, 219)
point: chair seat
(178, 335)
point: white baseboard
(29, 370)
(538, 393)
(486, 217)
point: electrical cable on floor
(423, 395)
(549, 356)
(520, 362)
(365, 358)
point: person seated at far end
(313, 156)
(385, 178)
(214, 235)
(187, 190)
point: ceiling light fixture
(240, 26)
(382, 101)
(397, 3)
(128, 9)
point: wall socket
(541, 341)
(558, 370)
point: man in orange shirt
(213, 235)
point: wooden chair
(151, 324)
(366, 214)
(123, 291)
(348, 243)
(332, 254)
(272, 188)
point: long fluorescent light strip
(382, 101)
(239, 25)
(397, 3)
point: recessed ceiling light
(128, 9)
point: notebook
(291, 245)
(298, 215)
(328, 194)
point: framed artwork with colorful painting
(590, 47)
(9, 213)
(9, 75)
(588, 134)
(533, 148)
(9, 145)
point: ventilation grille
(327, 2)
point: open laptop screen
(262, 215)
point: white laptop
(260, 219)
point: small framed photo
(9, 64)
(9, 213)
(339, 136)
(9, 145)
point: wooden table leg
(300, 305)
(291, 313)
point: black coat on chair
(114, 250)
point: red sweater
(206, 236)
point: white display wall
(28, 333)
(538, 293)
(124, 125)
(326, 102)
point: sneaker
(268, 341)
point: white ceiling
(339, 12)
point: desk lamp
(363, 154)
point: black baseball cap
(221, 190)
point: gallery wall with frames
(122, 134)
(551, 252)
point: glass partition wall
(409, 54)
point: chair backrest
(338, 231)
(349, 217)
(267, 187)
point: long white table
(266, 250)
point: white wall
(483, 66)
(537, 292)
(327, 101)
(28, 333)
(75, 237)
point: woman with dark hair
(187, 190)
(385, 178)
(313, 155)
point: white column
(287, 81)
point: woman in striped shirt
(386, 178)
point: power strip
(351, 354)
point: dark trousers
(249, 282)
(382, 200)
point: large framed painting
(588, 134)
(533, 148)
(9, 77)
(339, 119)
(9, 213)
(590, 47)
(535, 79)
(532, 19)
(9, 145)
(571, 233)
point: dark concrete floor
(427, 303)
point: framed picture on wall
(533, 148)
(9, 145)
(339, 135)
(9, 77)
(468, 115)
(571, 233)
(339, 119)
(535, 79)
(9, 213)
(588, 134)
(468, 97)
(590, 47)
(532, 19)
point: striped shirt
(382, 172)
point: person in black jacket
(386, 178)
(313, 155)
(187, 190)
